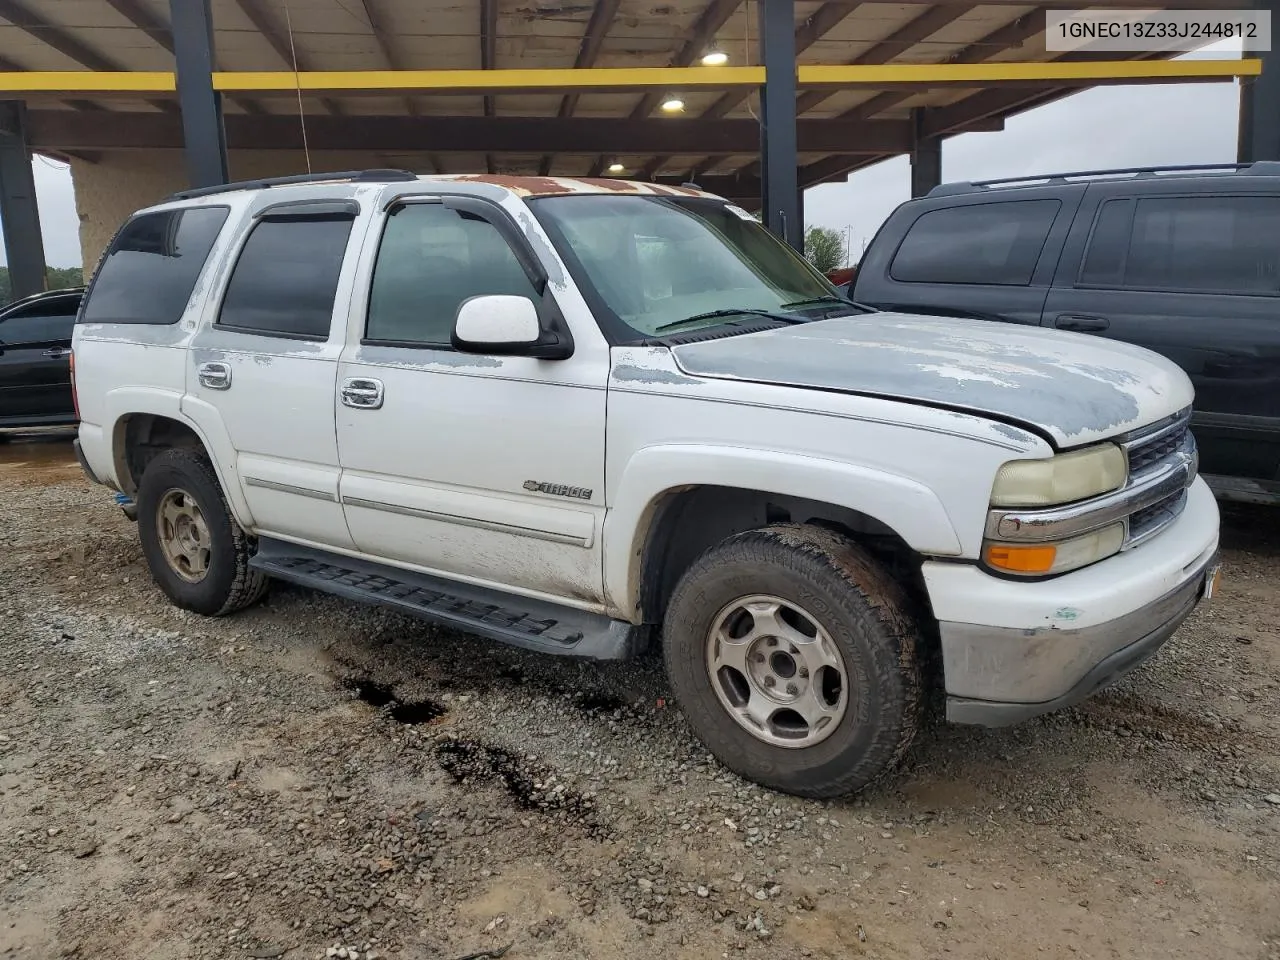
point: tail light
(75, 400)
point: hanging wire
(746, 55)
(297, 86)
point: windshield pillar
(779, 186)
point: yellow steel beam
(86, 81)
(383, 81)
(1015, 74)
(100, 83)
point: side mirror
(502, 324)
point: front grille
(1149, 520)
(1150, 452)
(1144, 454)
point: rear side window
(286, 278)
(152, 265)
(995, 243)
(1208, 244)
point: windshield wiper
(729, 312)
(828, 298)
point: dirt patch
(178, 787)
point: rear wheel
(794, 660)
(197, 553)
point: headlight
(1042, 559)
(1062, 479)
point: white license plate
(1211, 579)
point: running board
(519, 621)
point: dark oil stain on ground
(376, 695)
(379, 695)
(417, 711)
(532, 788)
(599, 702)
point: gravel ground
(312, 778)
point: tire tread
(247, 585)
(867, 595)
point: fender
(200, 417)
(904, 505)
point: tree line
(57, 278)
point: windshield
(657, 261)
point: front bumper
(1012, 650)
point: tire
(852, 607)
(226, 583)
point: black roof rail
(1264, 168)
(357, 176)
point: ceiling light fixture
(673, 105)
(715, 58)
(616, 168)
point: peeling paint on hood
(1074, 388)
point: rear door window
(1205, 244)
(151, 268)
(286, 278)
(984, 243)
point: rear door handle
(363, 393)
(57, 353)
(214, 375)
(1080, 323)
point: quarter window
(286, 279)
(151, 268)
(433, 258)
(993, 243)
(1104, 261)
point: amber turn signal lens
(1037, 558)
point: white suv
(565, 413)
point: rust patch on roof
(525, 186)
(667, 190)
(610, 185)
(560, 186)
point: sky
(1103, 127)
(1122, 126)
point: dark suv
(1184, 261)
(35, 360)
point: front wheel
(197, 553)
(794, 659)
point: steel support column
(205, 141)
(779, 195)
(1259, 131)
(19, 215)
(926, 157)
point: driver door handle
(1080, 323)
(57, 353)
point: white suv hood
(1075, 388)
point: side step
(520, 621)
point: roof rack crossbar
(359, 176)
(1261, 167)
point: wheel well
(141, 437)
(689, 522)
